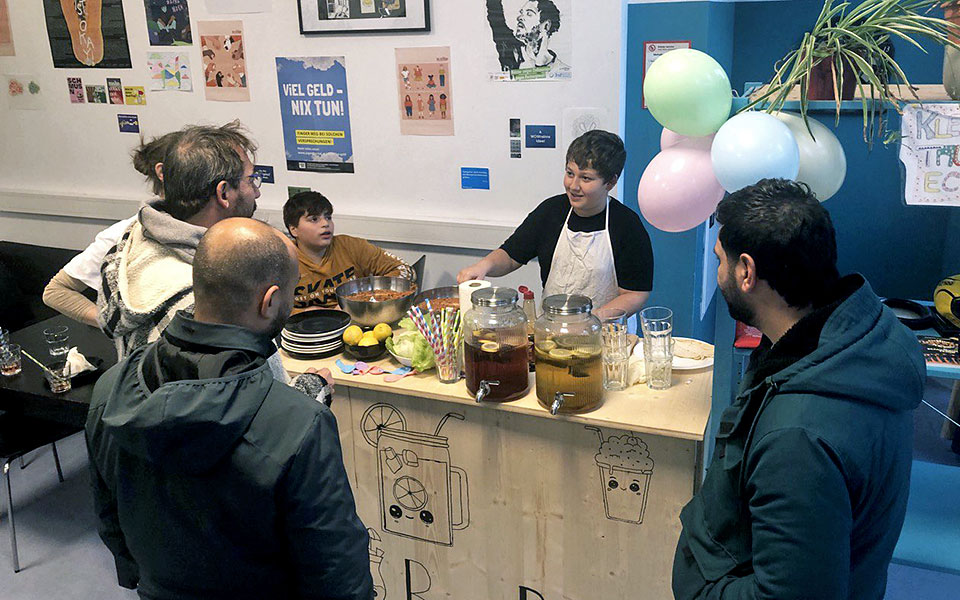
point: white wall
(71, 160)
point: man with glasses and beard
(210, 479)
(808, 487)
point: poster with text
(75, 87)
(168, 22)
(169, 71)
(23, 92)
(6, 33)
(134, 95)
(224, 61)
(88, 33)
(315, 114)
(530, 41)
(425, 91)
(114, 90)
(930, 153)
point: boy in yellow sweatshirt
(327, 260)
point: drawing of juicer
(421, 495)
(625, 470)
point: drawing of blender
(625, 470)
(422, 496)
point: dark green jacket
(211, 480)
(807, 490)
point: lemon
(586, 351)
(352, 335)
(561, 353)
(368, 339)
(382, 331)
(547, 345)
(489, 346)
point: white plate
(682, 364)
(407, 362)
(308, 348)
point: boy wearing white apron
(586, 242)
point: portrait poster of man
(531, 40)
(87, 33)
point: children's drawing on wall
(422, 496)
(6, 33)
(169, 71)
(168, 22)
(424, 84)
(625, 470)
(224, 62)
(376, 559)
(23, 92)
(929, 141)
(87, 33)
(531, 40)
(315, 111)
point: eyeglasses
(255, 180)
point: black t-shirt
(538, 234)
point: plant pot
(951, 12)
(820, 85)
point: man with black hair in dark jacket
(211, 479)
(807, 490)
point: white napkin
(636, 369)
(77, 363)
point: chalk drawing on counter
(625, 471)
(376, 558)
(422, 496)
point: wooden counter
(504, 501)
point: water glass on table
(58, 340)
(616, 355)
(10, 359)
(657, 325)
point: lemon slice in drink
(489, 346)
(586, 351)
(561, 353)
(547, 345)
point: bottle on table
(530, 310)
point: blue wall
(678, 256)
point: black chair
(418, 268)
(18, 436)
(24, 271)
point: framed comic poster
(363, 16)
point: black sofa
(24, 271)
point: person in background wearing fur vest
(147, 277)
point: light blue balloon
(752, 146)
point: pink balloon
(678, 189)
(668, 139)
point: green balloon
(688, 92)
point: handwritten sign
(930, 151)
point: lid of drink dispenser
(494, 296)
(567, 304)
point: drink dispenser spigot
(484, 390)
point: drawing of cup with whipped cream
(625, 470)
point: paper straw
(39, 364)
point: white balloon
(823, 164)
(752, 146)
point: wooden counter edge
(519, 406)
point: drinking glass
(10, 359)
(57, 377)
(657, 325)
(58, 340)
(613, 331)
(4, 337)
(449, 364)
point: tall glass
(10, 359)
(616, 355)
(58, 340)
(657, 325)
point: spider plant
(855, 40)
